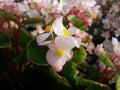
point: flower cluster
(62, 38)
(64, 31)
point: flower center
(119, 45)
(48, 9)
(95, 15)
(48, 28)
(66, 32)
(60, 52)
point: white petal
(58, 27)
(33, 13)
(72, 30)
(55, 61)
(23, 7)
(65, 43)
(76, 41)
(42, 37)
(44, 43)
(114, 41)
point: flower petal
(42, 37)
(72, 30)
(65, 43)
(114, 41)
(55, 61)
(58, 27)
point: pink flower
(61, 30)
(60, 52)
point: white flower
(59, 52)
(61, 30)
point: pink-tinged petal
(69, 54)
(65, 43)
(45, 43)
(58, 27)
(114, 41)
(52, 46)
(72, 30)
(42, 37)
(55, 61)
(33, 13)
(23, 7)
(76, 41)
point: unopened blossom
(99, 49)
(60, 51)
(38, 30)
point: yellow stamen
(48, 28)
(60, 52)
(66, 32)
(119, 45)
(95, 15)
(48, 9)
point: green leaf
(79, 55)
(118, 82)
(25, 37)
(106, 60)
(37, 54)
(92, 85)
(77, 22)
(43, 78)
(4, 40)
(84, 28)
(118, 14)
(7, 16)
(70, 72)
(88, 67)
(22, 57)
(33, 20)
(98, 87)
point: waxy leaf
(70, 72)
(7, 16)
(4, 40)
(43, 78)
(25, 37)
(77, 22)
(118, 82)
(33, 20)
(92, 85)
(79, 55)
(98, 87)
(106, 60)
(37, 54)
(22, 57)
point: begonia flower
(60, 52)
(61, 30)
